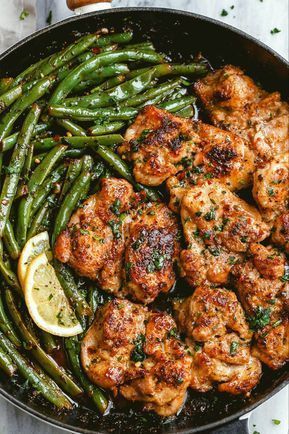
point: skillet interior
(172, 32)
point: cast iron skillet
(179, 34)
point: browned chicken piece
(93, 242)
(210, 313)
(261, 284)
(271, 187)
(222, 156)
(235, 103)
(137, 352)
(218, 228)
(219, 337)
(263, 287)
(280, 231)
(107, 346)
(152, 249)
(159, 144)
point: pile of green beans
(61, 121)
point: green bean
(58, 374)
(108, 84)
(8, 98)
(28, 73)
(8, 120)
(69, 286)
(72, 173)
(16, 165)
(79, 142)
(106, 128)
(76, 75)
(10, 241)
(186, 112)
(5, 84)
(83, 114)
(51, 392)
(123, 170)
(36, 180)
(72, 346)
(141, 46)
(165, 69)
(46, 187)
(178, 104)
(69, 203)
(49, 342)
(41, 218)
(115, 95)
(72, 127)
(9, 276)
(151, 93)
(6, 364)
(6, 326)
(96, 77)
(9, 142)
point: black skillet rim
(38, 414)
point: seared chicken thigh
(137, 352)
(263, 289)
(159, 145)
(235, 103)
(93, 242)
(271, 187)
(221, 156)
(129, 248)
(152, 249)
(218, 228)
(219, 337)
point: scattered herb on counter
(276, 421)
(275, 30)
(24, 14)
(224, 13)
(49, 18)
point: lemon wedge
(46, 301)
(34, 247)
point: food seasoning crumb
(24, 14)
(275, 30)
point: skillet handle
(83, 6)
(236, 427)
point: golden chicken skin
(219, 338)
(159, 144)
(263, 288)
(93, 242)
(137, 352)
(280, 231)
(152, 250)
(130, 248)
(222, 156)
(271, 187)
(235, 103)
(218, 228)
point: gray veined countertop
(256, 17)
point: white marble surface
(253, 16)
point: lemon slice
(46, 301)
(33, 247)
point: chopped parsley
(211, 215)
(260, 319)
(115, 227)
(24, 14)
(233, 347)
(276, 421)
(275, 30)
(173, 333)
(115, 207)
(128, 266)
(157, 261)
(49, 18)
(271, 191)
(224, 13)
(285, 277)
(138, 354)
